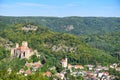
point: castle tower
(24, 43)
(17, 45)
(12, 52)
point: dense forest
(57, 45)
(109, 42)
(91, 40)
(74, 25)
(99, 32)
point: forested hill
(74, 25)
(56, 46)
(109, 42)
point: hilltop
(73, 25)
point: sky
(60, 8)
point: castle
(22, 51)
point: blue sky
(60, 8)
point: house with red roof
(36, 65)
(27, 72)
(78, 67)
(48, 73)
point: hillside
(109, 42)
(74, 25)
(53, 46)
(88, 27)
(57, 45)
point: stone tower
(17, 45)
(25, 44)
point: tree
(34, 58)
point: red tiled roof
(63, 60)
(23, 48)
(48, 73)
(27, 71)
(37, 65)
(79, 66)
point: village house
(106, 68)
(36, 65)
(90, 67)
(27, 72)
(78, 67)
(48, 73)
(70, 67)
(21, 71)
(61, 75)
(113, 65)
(118, 69)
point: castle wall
(21, 52)
(12, 52)
(24, 43)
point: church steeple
(66, 61)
